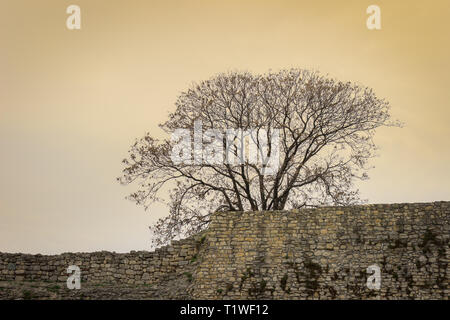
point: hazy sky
(72, 102)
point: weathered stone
(302, 254)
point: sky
(73, 101)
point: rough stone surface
(300, 254)
(164, 273)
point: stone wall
(324, 253)
(300, 254)
(170, 267)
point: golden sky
(73, 101)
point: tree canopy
(323, 129)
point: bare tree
(325, 128)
